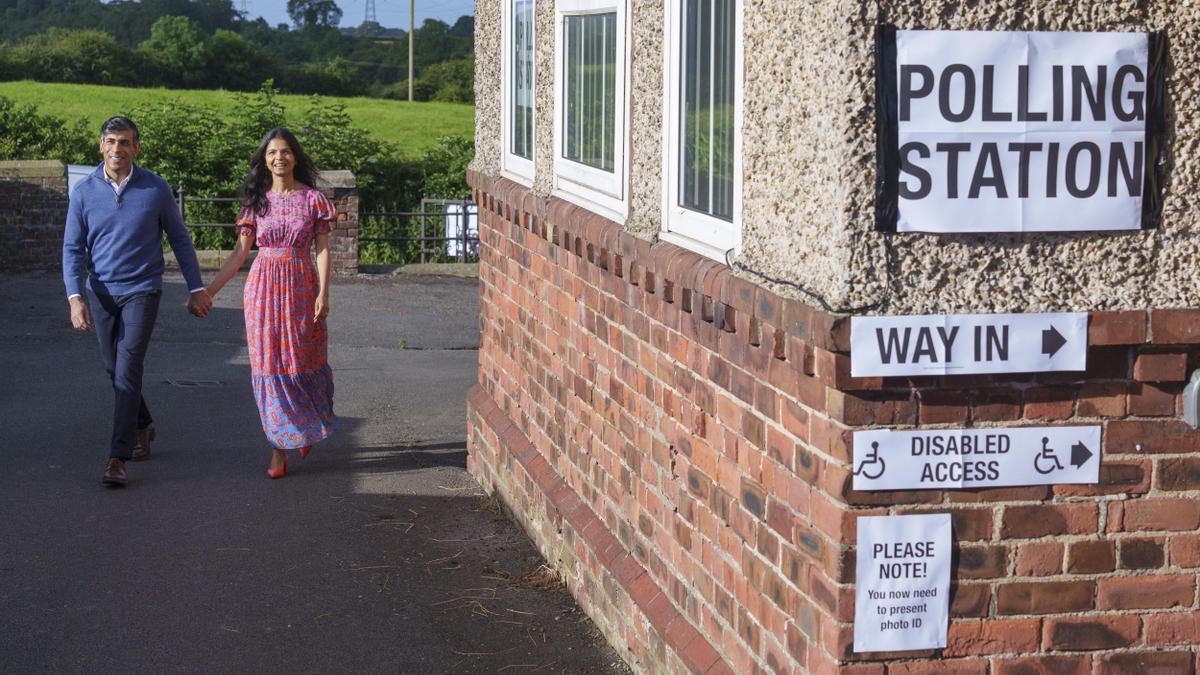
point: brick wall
(342, 187)
(677, 441)
(33, 208)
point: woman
(286, 300)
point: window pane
(522, 81)
(571, 77)
(590, 89)
(706, 110)
(609, 113)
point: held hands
(322, 307)
(200, 303)
(81, 316)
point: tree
(177, 45)
(306, 13)
(235, 63)
(87, 56)
(206, 43)
(368, 29)
(450, 81)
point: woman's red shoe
(304, 451)
(280, 472)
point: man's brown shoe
(114, 472)
(141, 443)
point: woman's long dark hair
(258, 182)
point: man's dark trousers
(123, 326)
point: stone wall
(677, 441)
(33, 210)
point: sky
(391, 13)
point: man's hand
(81, 316)
(200, 303)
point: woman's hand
(200, 303)
(322, 307)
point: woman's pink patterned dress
(293, 384)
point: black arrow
(1052, 341)
(1080, 455)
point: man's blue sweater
(118, 240)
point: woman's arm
(322, 304)
(233, 263)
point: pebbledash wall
(676, 435)
(33, 212)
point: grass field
(413, 127)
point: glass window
(591, 104)
(521, 94)
(590, 89)
(706, 124)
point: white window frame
(598, 191)
(695, 231)
(515, 166)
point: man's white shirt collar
(118, 187)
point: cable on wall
(888, 281)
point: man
(115, 221)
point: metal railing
(443, 230)
(181, 199)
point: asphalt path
(378, 553)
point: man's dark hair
(119, 123)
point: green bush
(27, 134)
(86, 56)
(448, 82)
(444, 168)
(338, 77)
(452, 81)
(208, 152)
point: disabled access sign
(975, 458)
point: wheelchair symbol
(1046, 458)
(872, 458)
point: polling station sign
(967, 344)
(921, 459)
(902, 586)
(1005, 131)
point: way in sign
(967, 344)
(975, 458)
(895, 346)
